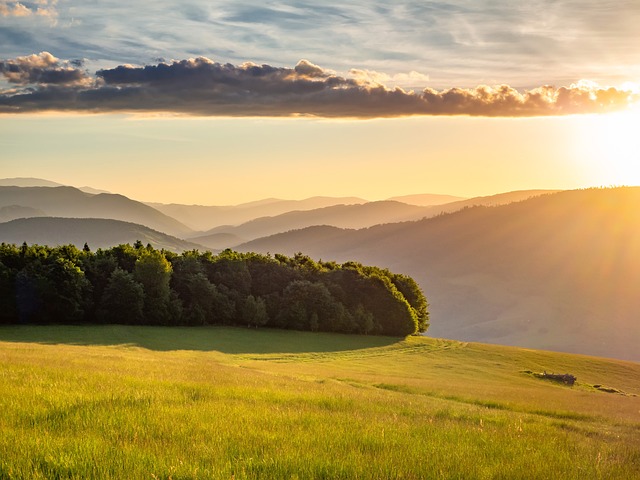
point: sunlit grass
(117, 403)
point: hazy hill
(98, 233)
(348, 216)
(219, 241)
(40, 182)
(559, 272)
(426, 199)
(487, 201)
(11, 212)
(71, 202)
(93, 191)
(28, 182)
(208, 218)
(203, 218)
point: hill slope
(40, 182)
(12, 212)
(219, 241)
(557, 272)
(200, 217)
(71, 202)
(426, 199)
(98, 233)
(28, 182)
(347, 216)
(134, 402)
(350, 216)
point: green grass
(136, 402)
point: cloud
(464, 42)
(44, 69)
(202, 87)
(43, 8)
(14, 9)
(411, 78)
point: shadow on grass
(232, 340)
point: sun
(621, 145)
(609, 147)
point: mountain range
(73, 203)
(347, 216)
(203, 218)
(39, 182)
(558, 271)
(544, 269)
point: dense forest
(141, 285)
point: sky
(225, 102)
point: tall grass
(291, 405)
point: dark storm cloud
(202, 87)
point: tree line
(140, 285)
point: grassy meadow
(112, 402)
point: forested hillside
(557, 272)
(144, 286)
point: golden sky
(230, 161)
(233, 101)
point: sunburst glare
(608, 147)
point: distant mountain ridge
(208, 219)
(12, 212)
(227, 226)
(427, 199)
(204, 218)
(559, 271)
(346, 216)
(219, 241)
(73, 203)
(96, 232)
(40, 182)
(538, 268)
(28, 182)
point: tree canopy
(141, 285)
